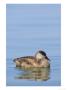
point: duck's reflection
(41, 74)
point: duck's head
(40, 55)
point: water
(30, 28)
(43, 77)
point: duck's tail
(14, 60)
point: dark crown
(42, 52)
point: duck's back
(27, 61)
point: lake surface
(30, 28)
(44, 77)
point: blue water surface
(29, 28)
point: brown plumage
(39, 60)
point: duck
(40, 59)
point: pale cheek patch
(39, 56)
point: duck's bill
(47, 58)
